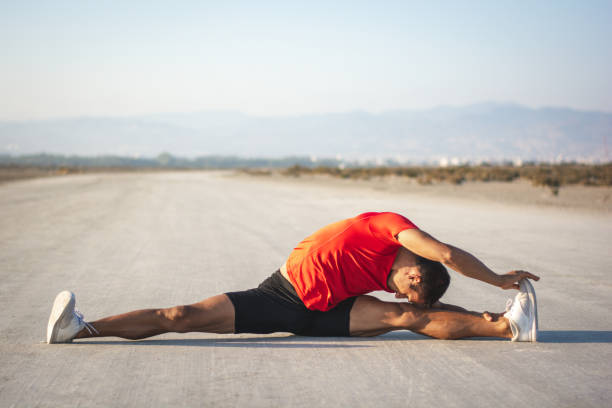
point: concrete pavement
(131, 241)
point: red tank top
(346, 258)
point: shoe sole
(63, 304)
(533, 335)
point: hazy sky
(72, 58)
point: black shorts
(274, 306)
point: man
(320, 291)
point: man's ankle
(84, 333)
(505, 329)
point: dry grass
(14, 173)
(550, 175)
(10, 173)
(256, 172)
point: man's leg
(371, 317)
(212, 315)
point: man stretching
(320, 291)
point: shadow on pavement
(289, 341)
(242, 343)
(575, 336)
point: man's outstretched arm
(423, 244)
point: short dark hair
(434, 279)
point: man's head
(424, 283)
(434, 280)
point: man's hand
(491, 317)
(510, 280)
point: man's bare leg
(212, 315)
(371, 317)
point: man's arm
(423, 244)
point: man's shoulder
(379, 215)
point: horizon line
(312, 113)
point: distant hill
(486, 131)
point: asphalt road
(131, 241)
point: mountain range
(485, 131)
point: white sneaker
(522, 313)
(65, 322)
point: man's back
(346, 258)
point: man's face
(410, 287)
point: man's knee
(416, 318)
(176, 318)
(408, 316)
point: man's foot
(65, 322)
(522, 313)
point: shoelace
(509, 303)
(88, 326)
